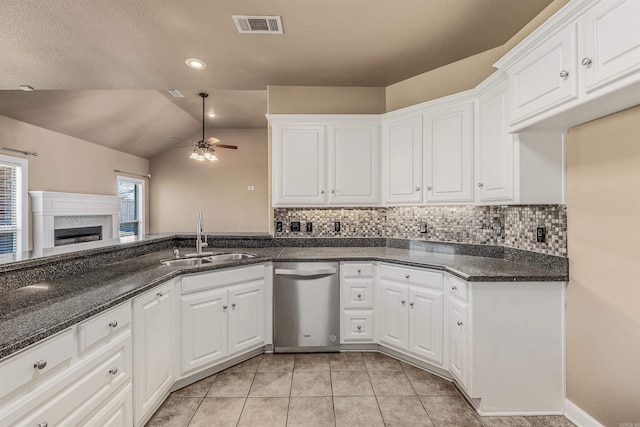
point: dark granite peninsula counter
(44, 295)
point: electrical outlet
(336, 226)
(541, 235)
(309, 227)
(295, 226)
(423, 227)
(279, 226)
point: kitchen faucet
(201, 238)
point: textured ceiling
(123, 44)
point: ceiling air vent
(258, 24)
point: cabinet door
(299, 165)
(426, 323)
(611, 35)
(545, 77)
(353, 160)
(495, 148)
(153, 347)
(402, 160)
(458, 339)
(246, 316)
(392, 314)
(204, 328)
(448, 154)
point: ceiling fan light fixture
(195, 63)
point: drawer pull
(359, 296)
(411, 304)
(459, 323)
(359, 271)
(224, 307)
(113, 324)
(43, 424)
(359, 327)
(564, 74)
(586, 62)
(406, 276)
(402, 301)
(40, 364)
(160, 294)
(114, 370)
(453, 288)
(233, 305)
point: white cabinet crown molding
(446, 101)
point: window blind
(8, 208)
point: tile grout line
(417, 395)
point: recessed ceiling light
(211, 115)
(26, 88)
(195, 63)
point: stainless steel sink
(232, 256)
(209, 259)
(186, 262)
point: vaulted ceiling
(101, 67)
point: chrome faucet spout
(201, 238)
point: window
(13, 205)
(131, 207)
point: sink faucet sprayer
(201, 239)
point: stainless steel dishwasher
(306, 307)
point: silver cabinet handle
(233, 305)
(43, 424)
(359, 296)
(113, 324)
(453, 288)
(459, 323)
(286, 271)
(322, 192)
(224, 307)
(359, 271)
(429, 188)
(417, 188)
(359, 327)
(411, 304)
(333, 191)
(480, 184)
(114, 370)
(564, 74)
(40, 364)
(586, 62)
(160, 294)
(406, 276)
(402, 301)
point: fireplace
(63, 219)
(70, 236)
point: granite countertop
(34, 312)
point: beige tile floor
(337, 389)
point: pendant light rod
(203, 95)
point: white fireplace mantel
(46, 205)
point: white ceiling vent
(258, 24)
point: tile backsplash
(511, 226)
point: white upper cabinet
(581, 64)
(546, 77)
(448, 154)
(299, 165)
(325, 160)
(353, 164)
(494, 147)
(611, 48)
(402, 160)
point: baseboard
(578, 416)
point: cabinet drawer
(458, 288)
(118, 412)
(100, 328)
(358, 326)
(198, 282)
(52, 354)
(351, 270)
(411, 276)
(78, 393)
(357, 294)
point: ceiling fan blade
(212, 140)
(231, 147)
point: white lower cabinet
(118, 412)
(410, 311)
(222, 315)
(458, 330)
(153, 323)
(356, 302)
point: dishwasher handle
(305, 272)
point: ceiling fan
(203, 150)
